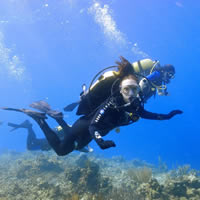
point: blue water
(49, 48)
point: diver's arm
(155, 116)
(154, 76)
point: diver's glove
(105, 144)
(102, 143)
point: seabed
(46, 176)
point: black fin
(25, 124)
(34, 114)
(12, 109)
(45, 107)
(41, 106)
(15, 126)
(31, 113)
(71, 106)
(55, 114)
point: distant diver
(151, 75)
(33, 143)
(122, 107)
(156, 81)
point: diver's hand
(174, 112)
(105, 144)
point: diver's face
(168, 76)
(129, 90)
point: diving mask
(168, 72)
(129, 90)
(170, 75)
(167, 76)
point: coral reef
(79, 176)
(140, 175)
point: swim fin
(41, 106)
(45, 107)
(31, 113)
(25, 124)
(71, 106)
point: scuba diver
(157, 80)
(152, 77)
(34, 144)
(123, 107)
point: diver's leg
(57, 115)
(31, 143)
(41, 144)
(63, 124)
(81, 131)
(60, 147)
(77, 138)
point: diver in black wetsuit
(157, 80)
(122, 108)
(33, 143)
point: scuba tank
(100, 90)
(97, 93)
(143, 67)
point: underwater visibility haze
(49, 49)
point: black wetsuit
(34, 144)
(110, 114)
